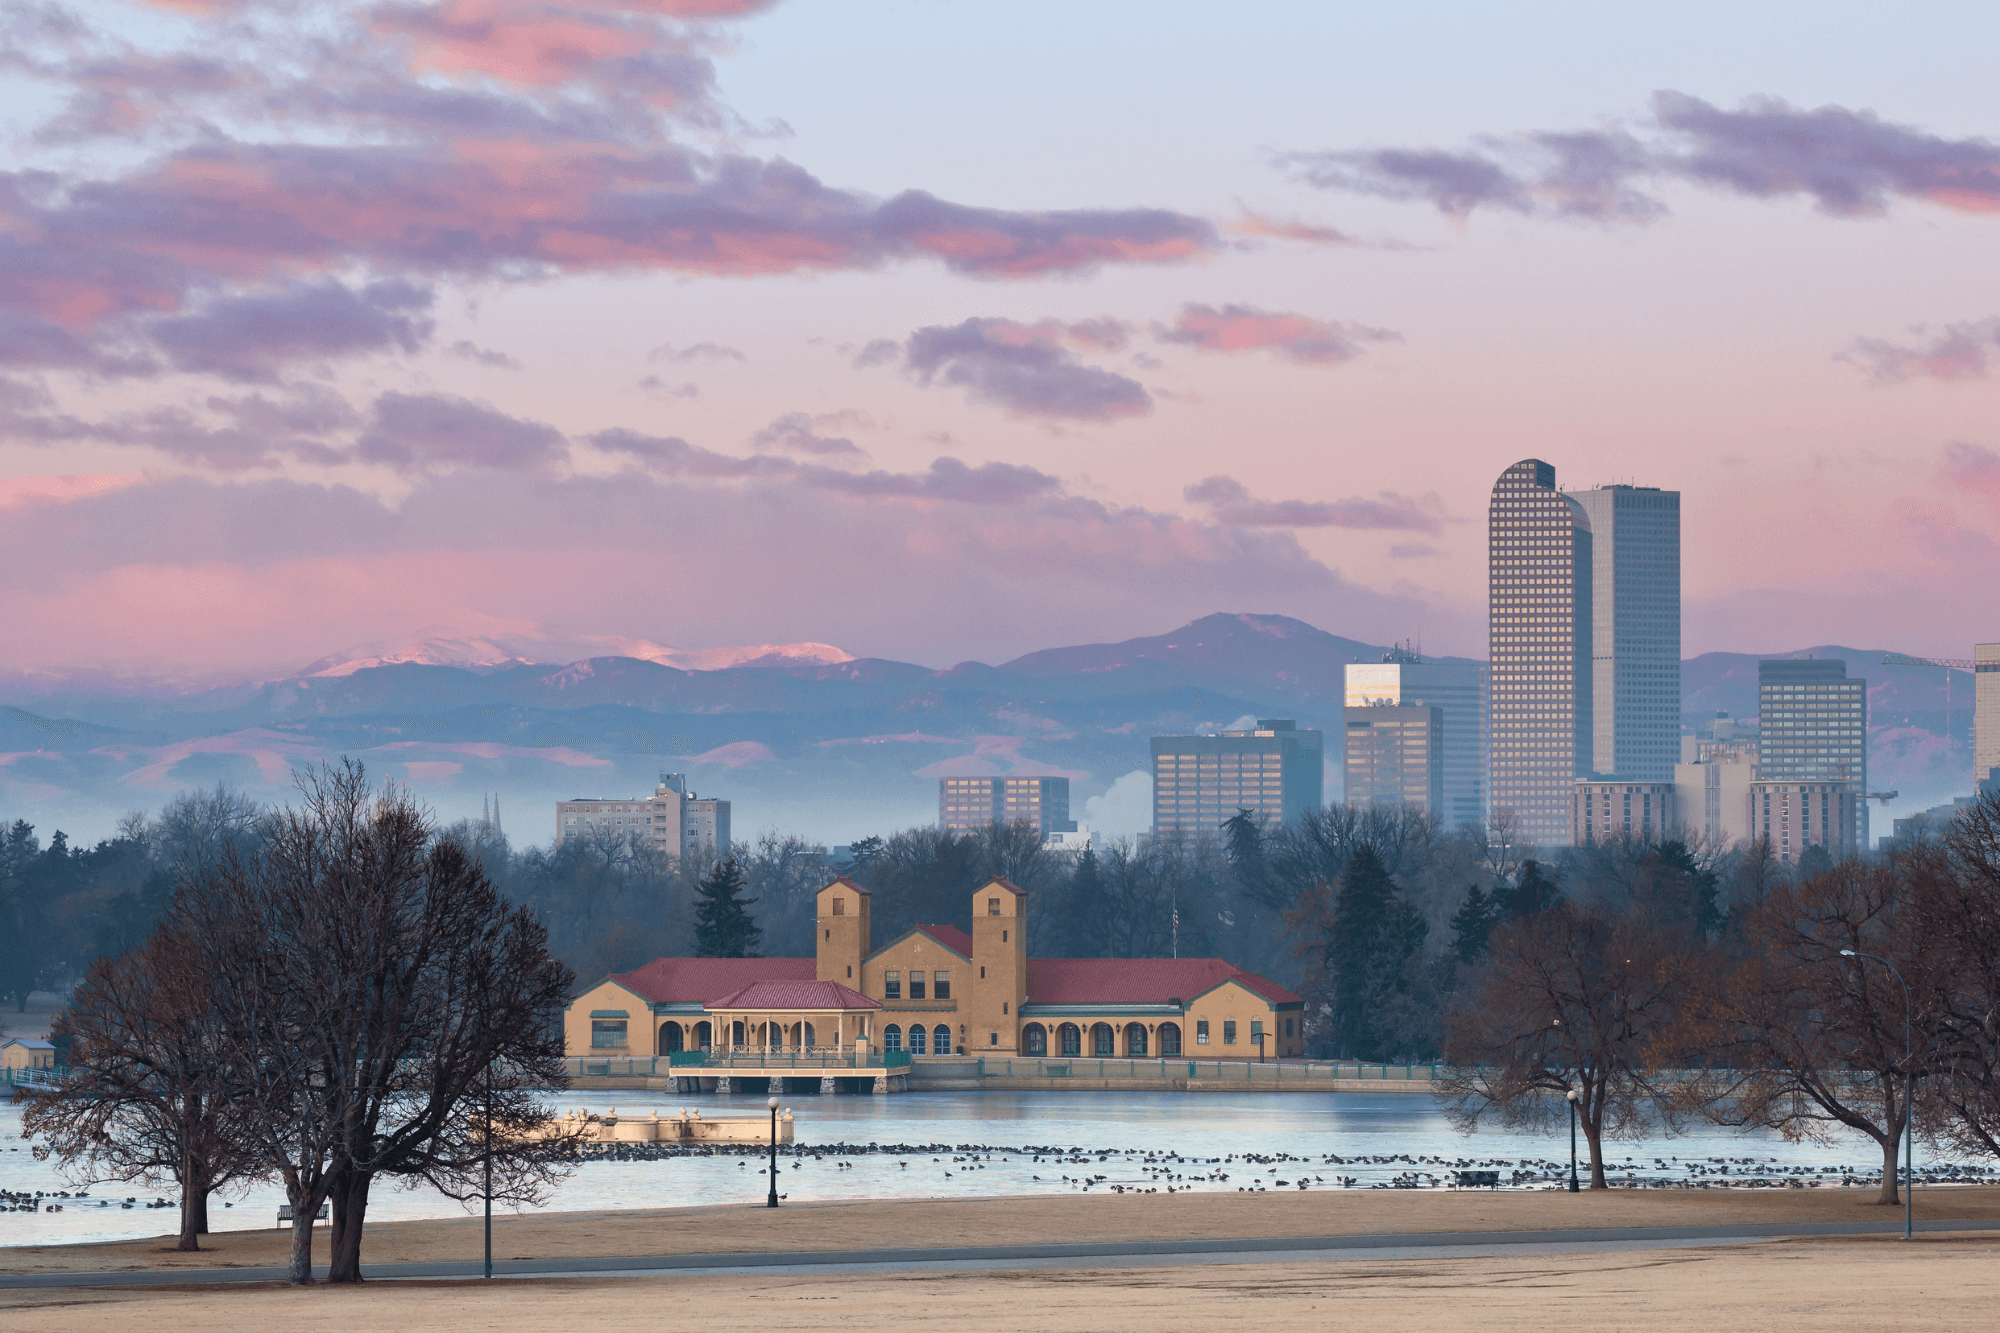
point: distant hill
(800, 737)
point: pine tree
(1472, 923)
(1360, 913)
(1535, 892)
(723, 926)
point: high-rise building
(1455, 689)
(1635, 631)
(1812, 726)
(1985, 710)
(1792, 816)
(1606, 810)
(1712, 796)
(1394, 756)
(672, 820)
(1275, 772)
(1539, 601)
(973, 803)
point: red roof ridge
(1006, 884)
(845, 881)
(794, 995)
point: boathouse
(937, 991)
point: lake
(1376, 1137)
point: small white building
(27, 1053)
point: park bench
(285, 1214)
(1477, 1179)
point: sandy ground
(1041, 1219)
(1933, 1283)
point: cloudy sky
(941, 331)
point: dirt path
(1033, 1220)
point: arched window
(1135, 1040)
(811, 1037)
(917, 1039)
(1034, 1040)
(1103, 1039)
(670, 1038)
(736, 1033)
(1170, 1039)
(892, 1038)
(1072, 1039)
(704, 1036)
(941, 1040)
(773, 1035)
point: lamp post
(1909, 1087)
(1572, 1142)
(772, 1200)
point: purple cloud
(1956, 352)
(1850, 163)
(422, 432)
(252, 337)
(1230, 503)
(794, 431)
(1021, 367)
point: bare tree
(368, 980)
(141, 1101)
(1573, 999)
(1795, 1037)
(1955, 908)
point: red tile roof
(951, 937)
(795, 995)
(1006, 884)
(1139, 980)
(844, 882)
(699, 980)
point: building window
(1034, 1040)
(1103, 1040)
(1003, 1006)
(1228, 1032)
(1201, 1032)
(1256, 1032)
(607, 1032)
(993, 907)
(1288, 1027)
(916, 985)
(941, 1040)
(736, 1033)
(942, 990)
(917, 1038)
(892, 1038)
(992, 1039)
(1072, 1039)
(1135, 1040)
(1003, 937)
(892, 985)
(1170, 1039)
(840, 907)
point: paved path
(1098, 1254)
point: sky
(938, 332)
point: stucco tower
(1000, 968)
(842, 941)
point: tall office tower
(1635, 631)
(965, 804)
(1985, 711)
(1812, 726)
(1456, 689)
(1394, 756)
(1539, 606)
(1275, 772)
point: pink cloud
(736, 754)
(432, 770)
(1297, 338)
(22, 491)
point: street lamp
(1572, 1142)
(772, 1200)
(1909, 1087)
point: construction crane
(1950, 664)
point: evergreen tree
(1088, 905)
(1533, 892)
(1361, 910)
(1243, 842)
(723, 926)
(1472, 923)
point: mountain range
(801, 737)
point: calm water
(1377, 1137)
